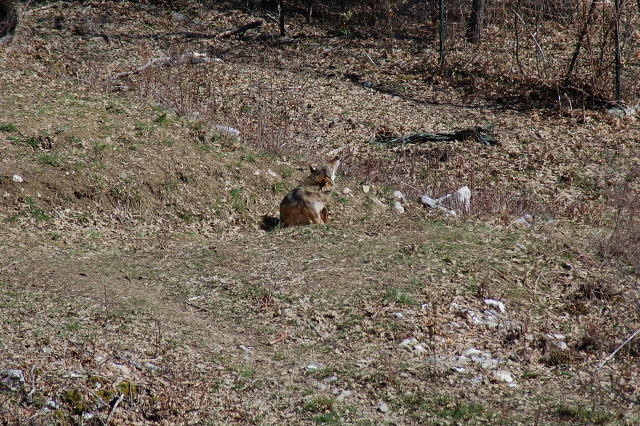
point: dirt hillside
(140, 285)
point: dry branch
(483, 135)
(225, 34)
(189, 58)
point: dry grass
(133, 269)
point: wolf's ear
(312, 169)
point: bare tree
(616, 36)
(475, 24)
(442, 32)
(281, 18)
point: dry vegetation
(136, 285)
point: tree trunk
(475, 24)
(576, 52)
(617, 54)
(442, 33)
(433, 8)
(281, 18)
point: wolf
(305, 204)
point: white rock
(398, 315)
(524, 220)
(366, 189)
(17, 178)
(419, 349)
(344, 394)
(622, 111)
(346, 191)
(50, 405)
(503, 376)
(428, 201)
(496, 303)
(383, 407)
(557, 340)
(12, 379)
(247, 349)
(399, 196)
(152, 367)
(312, 366)
(459, 200)
(458, 369)
(228, 130)
(272, 173)
(397, 207)
(377, 203)
(409, 342)
(471, 352)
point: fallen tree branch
(610, 357)
(225, 34)
(483, 135)
(189, 58)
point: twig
(113, 409)
(369, 57)
(610, 357)
(33, 381)
(11, 264)
(38, 9)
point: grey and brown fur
(305, 204)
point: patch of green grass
(421, 406)
(286, 171)
(237, 200)
(247, 373)
(329, 418)
(393, 295)
(583, 415)
(50, 159)
(318, 405)
(8, 127)
(162, 118)
(34, 211)
(339, 198)
(72, 326)
(32, 141)
(248, 157)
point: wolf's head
(327, 170)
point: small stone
(12, 379)
(622, 111)
(177, 16)
(346, 191)
(50, 405)
(366, 189)
(409, 342)
(496, 303)
(17, 179)
(383, 407)
(398, 315)
(419, 349)
(398, 195)
(503, 376)
(344, 394)
(397, 207)
(428, 201)
(377, 203)
(312, 366)
(245, 348)
(230, 131)
(153, 368)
